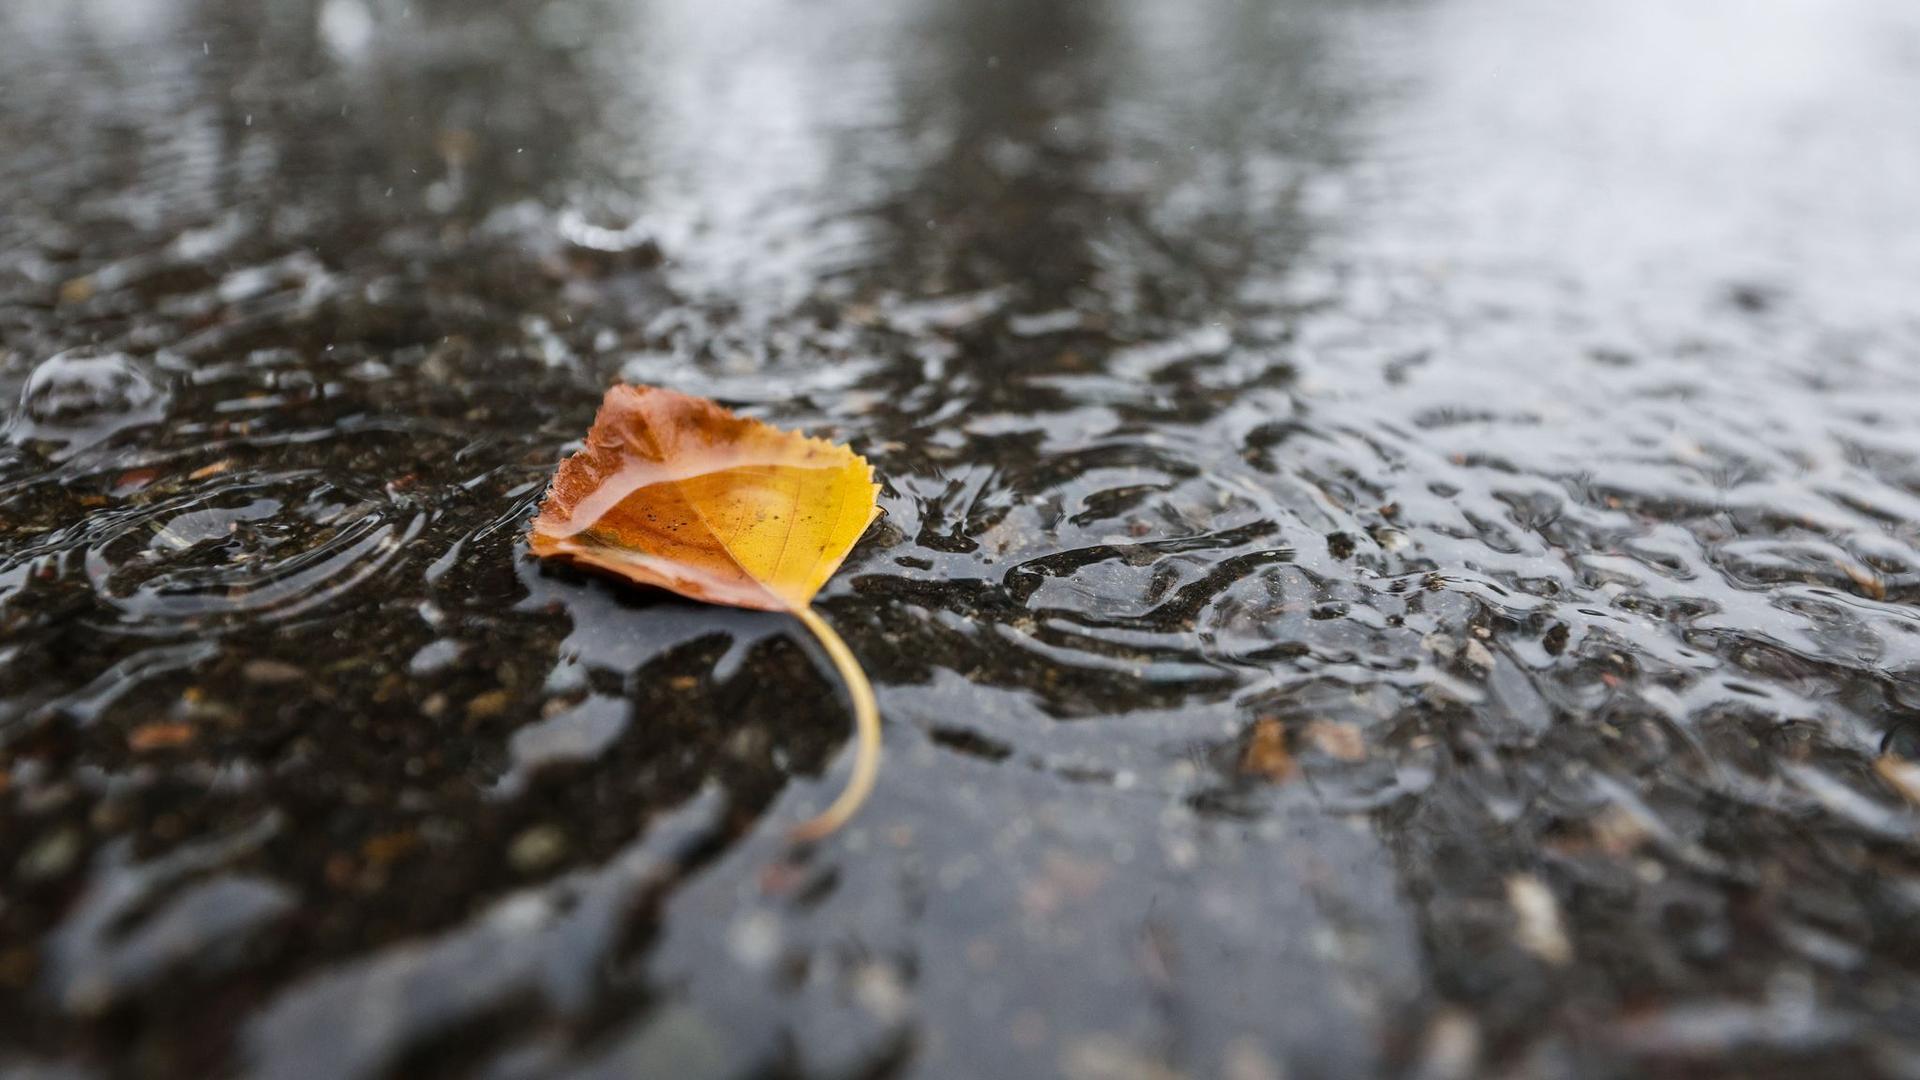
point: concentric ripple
(254, 549)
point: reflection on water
(1399, 547)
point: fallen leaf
(676, 492)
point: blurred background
(1402, 531)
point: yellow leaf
(677, 492)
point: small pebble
(1340, 741)
(52, 857)
(271, 672)
(1540, 930)
(488, 705)
(537, 848)
(1266, 754)
(159, 737)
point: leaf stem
(866, 720)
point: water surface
(1399, 558)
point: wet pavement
(1402, 533)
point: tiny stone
(271, 672)
(537, 848)
(1266, 754)
(1337, 740)
(161, 736)
(488, 705)
(1451, 1049)
(435, 656)
(17, 967)
(1540, 930)
(52, 857)
(1478, 656)
(754, 940)
(879, 991)
(1246, 1059)
(1901, 774)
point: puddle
(1399, 554)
